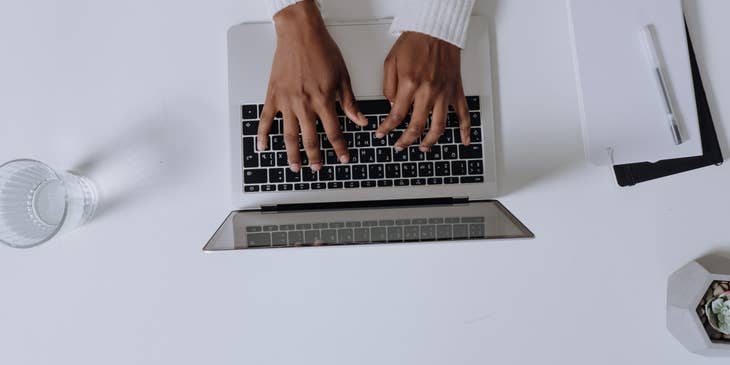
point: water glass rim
(65, 208)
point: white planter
(686, 290)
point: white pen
(661, 81)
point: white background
(134, 92)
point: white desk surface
(135, 91)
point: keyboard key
(419, 221)
(319, 126)
(330, 157)
(458, 168)
(447, 137)
(352, 184)
(250, 158)
(254, 229)
(452, 220)
(325, 142)
(435, 181)
(378, 235)
(303, 158)
(376, 171)
(276, 123)
(369, 223)
(409, 170)
(258, 239)
(434, 153)
(471, 151)
(250, 188)
(372, 122)
(342, 172)
(393, 137)
(255, 176)
(304, 226)
(418, 182)
(428, 233)
(345, 235)
(349, 139)
(267, 159)
(320, 225)
(352, 127)
(452, 120)
(476, 119)
(268, 188)
(380, 106)
(285, 187)
(279, 239)
(327, 173)
(451, 180)
(472, 179)
(329, 236)
(435, 221)
(309, 175)
(362, 139)
(292, 177)
(443, 232)
(476, 167)
(443, 168)
(425, 169)
(359, 172)
(476, 135)
(457, 136)
(476, 231)
(276, 175)
(250, 127)
(460, 231)
(369, 184)
(335, 185)
(450, 152)
(296, 237)
(385, 183)
(416, 154)
(281, 159)
(312, 236)
(318, 186)
(353, 224)
(367, 155)
(402, 182)
(395, 234)
(392, 171)
(401, 156)
(277, 143)
(301, 186)
(411, 233)
(361, 235)
(387, 222)
(473, 102)
(378, 142)
(384, 154)
(249, 112)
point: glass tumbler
(37, 203)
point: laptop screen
(366, 226)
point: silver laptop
(381, 196)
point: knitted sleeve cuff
(443, 19)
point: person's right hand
(308, 75)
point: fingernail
(295, 167)
(391, 104)
(261, 146)
(379, 135)
(467, 141)
(345, 158)
(398, 148)
(424, 149)
(315, 167)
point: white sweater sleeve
(277, 5)
(443, 19)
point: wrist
(299, 19)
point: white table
(135, 91)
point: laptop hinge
(364, 204)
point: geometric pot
(689, 290)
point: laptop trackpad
(360, 226)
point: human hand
(308, 75)
(425, 72)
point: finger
(390, 78)
(462, 111)
(402, 104)
(334, 134)
(421, 109)
(291, 140)
(265, 122)
(349, 103)
(310, 140)
(438, 124)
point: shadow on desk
(147, 158)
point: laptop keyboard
(366, 232)
(373, 162)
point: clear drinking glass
(36, 202)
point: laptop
(380, 197)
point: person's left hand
(425, 72)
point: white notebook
(622, 111)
